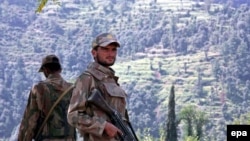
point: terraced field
(185, 82)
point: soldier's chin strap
(52, 108)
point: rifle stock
(97, 99)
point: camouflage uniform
(91, 121)
(39, 103)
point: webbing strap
(52, 108)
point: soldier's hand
(112, 130)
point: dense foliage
(144, 29)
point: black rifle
(97, 99)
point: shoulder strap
(52, 108)
(96, 81)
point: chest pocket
(114, 90)
(116, 96)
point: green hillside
(201, 48)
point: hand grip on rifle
(97, 99)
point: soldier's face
(105, 56)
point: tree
(194, 120)
(187, 114)
(3, 65)
(207, 5)
(171, 121)
(200, 121)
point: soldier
(41, 98)
(92, 123)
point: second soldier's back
(42, 97)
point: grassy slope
(173, 65)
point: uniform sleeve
(30, 117)
(77, 114)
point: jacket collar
(101, 72)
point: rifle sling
(52, 108)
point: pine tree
(171, 121)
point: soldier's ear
(46, 70)
(94, 52)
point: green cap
(104, 39)
(49, 59)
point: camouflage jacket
(37, 104)
(90, 121)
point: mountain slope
(163, 43)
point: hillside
(172, 71)
(201, 48)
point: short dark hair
(96, 48)
(114, 43)
(53, 67)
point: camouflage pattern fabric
(105, 39)
(89, 120)
(39, 105)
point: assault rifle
(97, 99)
